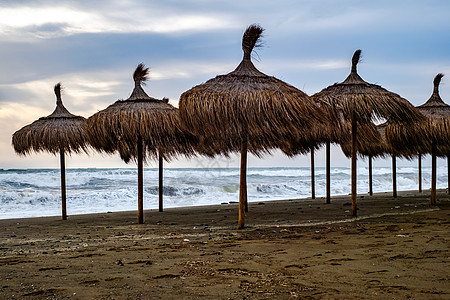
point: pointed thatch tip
(57, 90)
(251, 39)
(140, 74)
(355, 59)
(437, 81)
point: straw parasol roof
(155, 121)
(431, 135)
(247, 110)
(371, 142)
(366, 101)
(362, 102)
(418, 137)
(377, 146)
(60, 132)
(139, 128)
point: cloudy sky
(93, 47)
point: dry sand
(395, 249)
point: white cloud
(47, 22)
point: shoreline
(290, 249)
(232, 202)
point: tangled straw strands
(60, 131)
(417, 137)
(370, 141)
(248, 103)
(367, 101)
(156, 122)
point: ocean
(36, 192)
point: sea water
(36, 192)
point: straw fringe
(248, 103)
(61, 130)
(367, 101)
(416, 138)
(118, 127)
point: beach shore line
(298, 248)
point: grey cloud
(47, 30)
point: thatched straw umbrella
(139, 128)
(248, 110)
(361, 102)
(431, 135)
(370, 143)
(61, 132)
(332, 131)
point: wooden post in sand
(243, 184)
(394, 175)
(140, 182)
(433, 172)
(313, 188)
(161, 188)
(328, 177)
(420, 173)
(370, 176)
(63, 184)
(448, 174)
(354, 205)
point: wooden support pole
(243, 184)
(313, 187)
(420, 173)
(161, 187)
(140, 182)
(63, 184)
(354, 204)
(394, 175)
(433, 172)
(328, 171)
(448, 174)
(370, 176)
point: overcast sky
(93, 47)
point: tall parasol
(139, 128)
(247, 111)
(332, 131)
(61, 132)
(378, 147)
(361, 102)
(431, 135)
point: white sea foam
(31, 193)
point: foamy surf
(34, 193)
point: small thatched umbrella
(431, 135)
(378, 146)
(139, 128)
(248, 110)
(370, 143)
(332, 131)
(61, 132)
(361, 102)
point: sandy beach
(306, 249)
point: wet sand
(395, 248)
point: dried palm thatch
(247, 103)
(431, 135)
(367, 101)
(61, 132)
(363, 102)
(247, 110)
(155, 121)
(371, 142)
(335, 130)
(377, 146)
(139, 128)
(418, 136)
